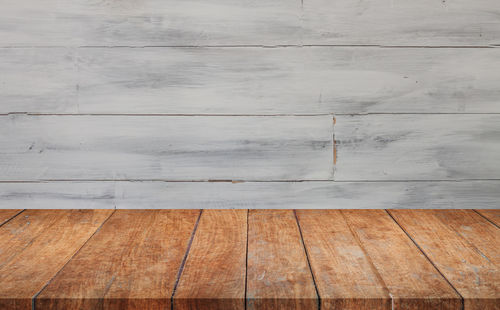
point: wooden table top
(250, 259)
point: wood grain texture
(463, 246)
(345, 276)
(401, 23)
(253, 195)
(131, 263)
(214, 274)
(250, 80)
(278, 275)
(36, 245)
(222, 22)
(417, 147)
(492, 215)
(412, 281)
(7, 214)
(171, 148)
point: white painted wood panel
(267, 81)
(401, 22)
(166, 148)
(417, 147)
(265, 195)
(258, 22)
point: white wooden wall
(250, 104)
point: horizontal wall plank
(404, 22)
(417, 147)
(171, 148)
(216, 22)
(310, 80)
(262, 195)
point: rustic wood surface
(152, 259)
(250, 80)
(259, 195)
(344, 273)
(176, 148)
(7, 214)
(35, 245)
(463, 246)
(140, 88)
(131, 263)
(412, 281)
(215, 270)
(277, 264)
(417, 147)
(492, 215)
(222, 22)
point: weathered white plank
(308, 80)
(417, 147)
(259, 22)
(401, 22)
(261, 195)
(165, 147)
(38, 80)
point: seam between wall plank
(427, 257)
(246, 181)
(184, 259)
(33, 299)
(27, 113)
(334, 145)
(494, 45)
(307, 258)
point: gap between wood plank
(246, 264)
(368, 257)
(183, 262)
(479, 213)
(12, 217)
(466, 240)
(33, 299)
(427, 257)
(307, 257)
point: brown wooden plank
(475, 229)
(491, 214)
(7, 214)
(345, 276)
(463, 246)
(35, 246)
(278, 274)
(214, 273)
(131, 263)
(413, 282)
